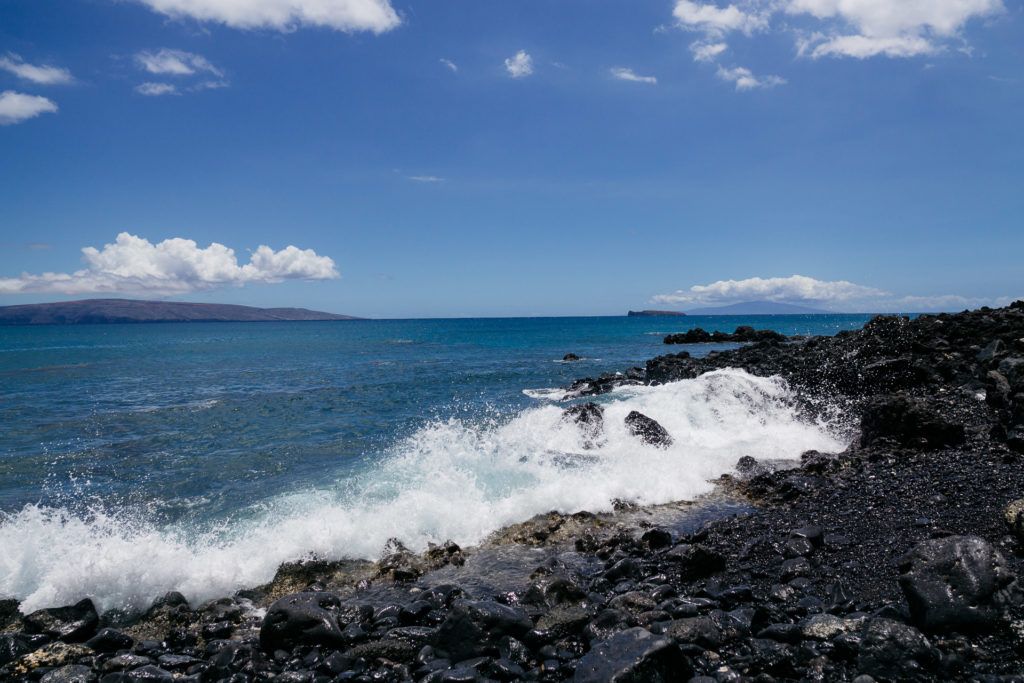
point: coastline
(808, 584)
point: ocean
(138, 459)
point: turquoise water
(194, 444)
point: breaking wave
(451, 479)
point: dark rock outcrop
(958, 583)
(72, 624)
(647, 429)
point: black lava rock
(302, 619)
(633, 656)
(649, 431)
(958, 583)
(908, 422)
(72, 624)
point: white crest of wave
(449, 480)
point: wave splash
(450, 480)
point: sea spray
(450, 479)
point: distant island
(758, 308)
(655, 314)
(134, 311)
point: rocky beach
(896, 559)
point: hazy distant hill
(655, 314)
(132, 311)
(757, 308)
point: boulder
(15, 645)
(472, 624)
(110, 640)
(696, 561)
(647, 429)
(71, 673)
(633, 656)
(957, 583)
(72, 624)
(309, 618)
(892, 651)
(9, 613)
(908, 422)
(569, 357)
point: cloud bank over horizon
(839, 295)
(133, 264)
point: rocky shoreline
(895, 560)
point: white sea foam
(449, 480)
(546, 394)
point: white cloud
(426, 179)
(16, 107)
(831, 294)
(167, 62)
(707, 51)
(713, 19)
(744, 79)
(520, 65)
(624, 74)
(39, 74)
(151, 89)
(450, 64)
(176, 265)
(793, 289)
(376, 16)
(907, 28)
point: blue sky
(470, 157)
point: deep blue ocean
(136, 459)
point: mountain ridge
(107, 311)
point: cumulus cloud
(167, 62)
(176, 265)
(711, 18)
(893, 29)
(793, 289)
(36, 73)
(859, 29)
(744, 79)
(831, 294)
(375, 16)
(450, 65)
(151, 89)
(707, 51)
(16, 107)
(624, 74)
(519, 65)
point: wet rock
(471, 624)
(908, 422)
(892, 651)
(53, 655)
(647, 429)
(696, 561)
(634, 656)
(657, 538)
(701, 631)
(302, 619)
(14, 645)
(73, 623)
(957, 582)
(791, 569)
(569, 357)
(391, 649)
(9, 613)
(72, 673)
(589, 417)
(110, 640)
(148, 674)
